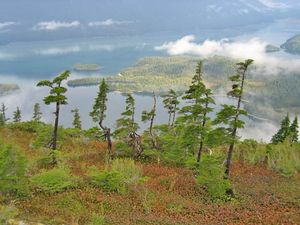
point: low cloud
(6, 56)
(72, 49)
(55, 25)
(107, 23)
(253, 48)
(58, 51)
(274, 4)
(4, 25)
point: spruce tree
(37, 114)
(149, 117)
(98, 114)
(17, 115)
(127, 127)
(283, 132)
(230, 114)
(57, 97)
(195, 114)
(76, 120)
(294, 130)
(171, 103)
(3, 118)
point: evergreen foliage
(229, 114)
(76, 120)
(37, 114)
(58, 97)
(171, 103)
(98, 113)
(17, 115)
(195, 114)
(127, 127)
(12, 171)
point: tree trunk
(55, 132)
(233, 135)
(107, 135)
(201, 142)
(153, 139)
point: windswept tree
(195, 113)
(3, 118)
(127, 127)
(37, 114)
(171, 103)
(76, 119)
(57, 96)
(149, 116)
(17, 115)
(98, 113)
(294, 133)
(230, 114)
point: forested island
(265, 96)
(8, 88)
(292, 45)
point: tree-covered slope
(292, 45)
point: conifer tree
(294, 130)
(99, 114)
(17, 115)
(150, 116)
(37, 114)
(127, 127)
(76, 120)
(171, 103)
(195, 114)
(3, 118)
(230, 114)
(57, 97)
(3, 110)
(283, 132)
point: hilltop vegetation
(192, 170)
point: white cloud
(6, 56)
(107, 23)
(253, 48)
(55, 25)
(59, 51)
(274, 4)
(7, 24)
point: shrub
(12, 171)
(55, 180)
(7, 212)
(283, 157)
(122, 175)
(211, 175)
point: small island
(87, 67)
(292, 45)
(272, 48)
(6, 89)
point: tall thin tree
(230, 114)
(37, 114)
(171, 103)
(127, 127)
(98, 114)
(195, 114)
(150, 116)
(58, 97)
(17, 115)
(76, 120)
